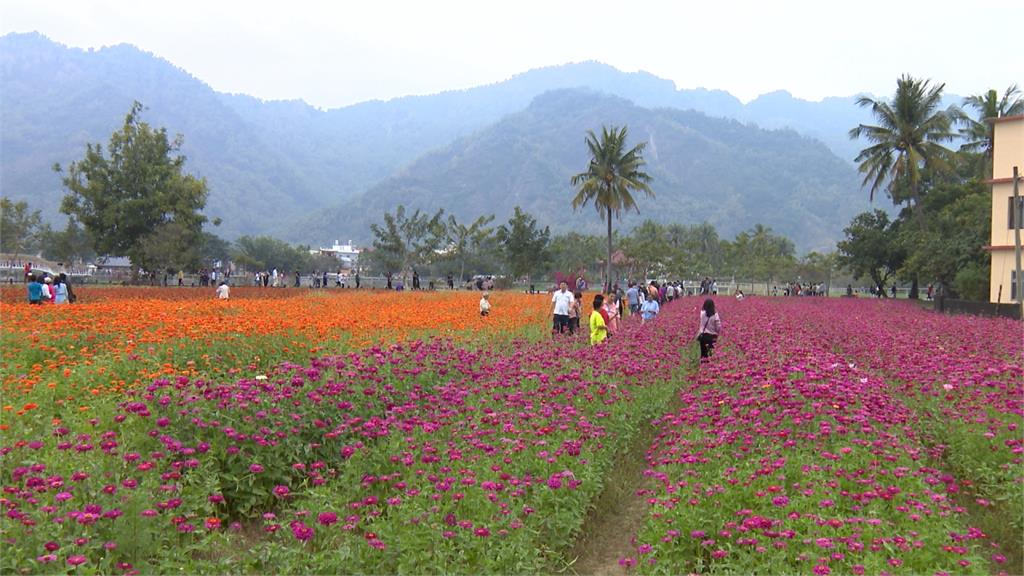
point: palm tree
(978, 132)
(610, 180)
(905, 141)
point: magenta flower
(281, 491)
(326, 518)
(77, 559)
(301, 531)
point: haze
(333, 54)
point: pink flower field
(826, 436)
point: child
(485, 304)
(598, 327)
(611, 309)
(710, 327)
(575, 311)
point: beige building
(1008, 151)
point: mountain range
(288, 169)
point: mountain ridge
(271, 163)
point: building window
(1016, 219)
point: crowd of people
(608, 310)
(47, 289)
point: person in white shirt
(562, 300)
(223, 291)
(485, 304)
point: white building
(347, 253)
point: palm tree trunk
(608, 263)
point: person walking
(710, 328)
(60, 290)
(598, 327)
(48, 290)
(35, 290)
(649, 310)
(561, 301)
(633, 298)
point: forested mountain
(704, 168)
(271, 164)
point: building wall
(1008, 152)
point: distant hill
(271, 164)
(704, 168)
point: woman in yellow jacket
(598, 326)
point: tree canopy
(611, 178)
(135, 200)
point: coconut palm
(610, 180)
(977, 132)
(906, 140)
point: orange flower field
(117, 337)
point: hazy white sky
(336, 53)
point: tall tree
(404, 241)
(19, 227)
(267, 253)
(905, 143)
(610, 180)
(465, 239)
(137, 190)
(978, 131)
(524, 245)
(906, 139)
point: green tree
(978, 132)
(759, 253)
(905, 141)
(20, 228)
(610, 180)
(524, 245)
(575, 252)
(73, 244)
(170, 247)
(135, 200)
(267, 253)
(951, 249)
(404, 241)
(645, 247)
(872, 248)
(213, 248)
(466, 240)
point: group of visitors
(608, 309)
(801, 289)
(49, 290)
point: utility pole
(1016, 239)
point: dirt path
(609, 532)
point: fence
(948, 306)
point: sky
(335, 53)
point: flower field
(361, 432)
